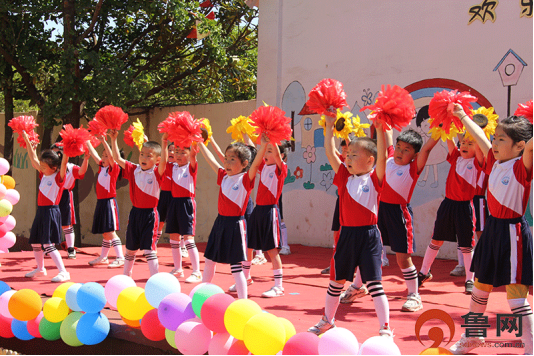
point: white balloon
(4, 166)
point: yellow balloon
(264, 334)
(5, 208)
(289, 327)
(132, 303)
(61, 291)
(237, 314)
(55, 309)
(25, 304)
(8, 181)
(435, 351)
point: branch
(98, 7)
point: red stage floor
(305, 290)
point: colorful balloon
(264, 334)
(5, 327)
(151, 326)
(12, 196)
(70, 297)
(7, 181)
(203, 293)
(92, 328)
(192, 338)
(159, 286)
(220, 344)
(8, 240)
(5, 207)
(91, 298)
(55, 310)
(174, 309)
(4, 166)
(67, 330)
(338, 341)
(33, 326)
(379, 345)
(49, 331)
(25, 305)
(61, 290)
(20, 330)
(8, 224)
(4, 303)
(132, 303)
(237, 314)
(303, 343)
(3, 191)
(115, 285)
(212, 312)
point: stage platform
(303, 303)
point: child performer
(66, 205)
(455, 220)
(106, 217)
(182, 209)
(395, 217)
(285, 250)
(145, 180)
(226, 243)
(503, 255)
(359, 243)
(46, 227)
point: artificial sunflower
(358, 127)
(343, 125)
(489, 113)
(239, 126)
(438, 132)
(138, 134)
(205, 127)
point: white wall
(365, 44)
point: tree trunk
(8, 134)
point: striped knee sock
(246, 269)
(332, 300)
(479, 301)
(410, 277)
(467, 253)
(117, 247)
(193, 255)
(39, 256)
(129, 263)
(69, 236)
(430, 255)
(152, 260)
(176, 254)
(209, 270)
(240, 281)
(106, 245)
(380, 301)
(521, 306)
(56, 257)
(278, 277)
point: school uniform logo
(271, 175)
(505, 180)
(365, 189)
(469, 166)
(186, 175)
(400, 173)
(49, 183)
(235, 187)
(150, 181)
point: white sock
(129, 263)
(240, 281)
(38, 253)
(430, 255)
(283, 233)
(332, 300)
(176, 254)
(521, 306)
(182, 243)
(410, 277)
(69, 236)
(357, 283)
(278, 277)
(246, 269)
(479, 301)
(259, 253)
(152, 260)
(384, 253)
(55, 256)
(117, 247)
(460, 256)
(193, 255)
(380, 301)
(467, 252)
(209, 270)
(106, 245)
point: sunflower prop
(205, 127)
(24, 123)
(438, 132)
(135, 135)
(525, 110)
(441, 107)
(326, 96)
(74, 140)
(358, 127)
(271, 121)
(343, 125)
(96, 129)
(239, 126)
(111, 117)
(394, 108)
(486, 119)
(182, 128)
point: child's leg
(160, 228)
(117, 245)
(460, 256)
(385, 261)
(129, 262)
(209, 270)
(467, 253)
(240, 281)
(106, 245)
(517, 299)
(176, 253)
(69, 235)
(248, 263)
(409, 272)
(51, 250)
(479, 297)
(430, 255)
(332, 299)
(152, 260)
(380, 301)
(38, 253)
(277, 267)
(193, 253)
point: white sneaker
(195, 277)
(184, 252)
(385, 331)
(321, 327)
(458, 271)
(36, 272)
(259, 260)
(234, 289)
(273, 292)
(117, 263)
(285, 250)
(61, 277)
(385, 262)
(466, 344)
(179, 273)
(351, 294)
(99, 261)
(413, 303)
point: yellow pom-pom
(205, 126)
(492, 121)
(345, 125)
(358, 127)
(138, 134)
(438, 132)
(239, 126)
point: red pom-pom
(128, 136)
(24, 123)
(182, 128)
(441, 108)
(111, 117)
(271, 121)
(394, 108)
(96, 129)
(525, 110)
(326, 97)
(74, 140)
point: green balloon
(49, 331)
(203, 293)
(68, 329)
(169, 335)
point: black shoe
(422, 278)
(326, 270)
(71, 253)
(469, 287)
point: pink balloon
(8, 225)
(4, 166)
(3, 219)
(220, 344)
(379, 345)
(338, 341)
(192, 338)
(12, 196)
(4, 301)
(3, 191)
(33, 326)
(115, 285)
(7, 241)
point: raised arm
(85, 164)
(330, 146)
(475, 130)
(527, 156)
(479, 155)
(248, 141)
(193, 152)
(93, 153)
(381, 154)
(277, 156)
(113, 134)
(217, 149)
(63, 168)
(423, 154)
(111, 160)
(32, 155)
(164, 154)
(451, 146)
(389, 138)
(258, 159)
(210, 158)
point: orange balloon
(8, 181)
(435, 351)
(133, 323)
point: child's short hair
(412, 138)
(51, 158)
(517, 128)
(243, 152)
(153, 145)
(282, 147)
(368, 144)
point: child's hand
(264, 139)
(458, 110)
(164, 137)
(25, 136)
(329, 120)
(100, 138)
(378, 126)
(113, 134)
(195, 148)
